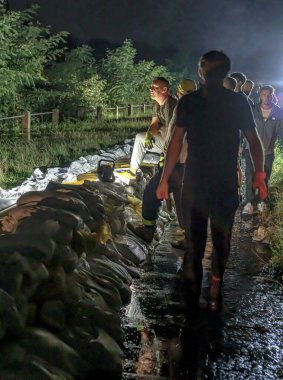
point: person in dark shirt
(212, 117)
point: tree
(74, 83)
(26, 48)
(128, 81)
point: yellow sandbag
(90, 176)
(135, 203)
(73, 183)
(121, 165)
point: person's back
(213, 136)
(212, 118)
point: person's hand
(162, 190)
(259, 185)
(149, 140)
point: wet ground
(243, 341)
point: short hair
(250, 81)
(162, 79)
(232, 82)
(267, 87)
(217, 56)
(239, 77)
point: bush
(276, 228)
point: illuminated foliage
(128, 81)
(26, 48)
(72, 84)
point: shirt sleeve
(154, 111)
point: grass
(59, 145)
(276, 227)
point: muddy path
(243, 341)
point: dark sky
(249, 31)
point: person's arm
(173, 153)
(257, 155)
(256, 149)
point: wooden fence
(26, 120)
(117, 111)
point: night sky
(249, 31)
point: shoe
(248, 209)
(179, 244)
(144, 232)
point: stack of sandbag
(65, 273)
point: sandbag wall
(66, 272)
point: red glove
(259, 184)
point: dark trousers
(151, 204)
(219, 207)
(249, 173)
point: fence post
(130, 110)
(26, 125)
(117, 112)
(55, 116)
(143, 108)
(99, 111)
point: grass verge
(59, 145)
(276, 227)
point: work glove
(149, 140)
(259, 185)
(161, 160)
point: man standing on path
(269, 122)
(153, 140)
(212, 117)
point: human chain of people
(206, 139)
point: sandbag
(108, 292)
(28, 245)
(117, 268)
(130, 248)
(73, 291)
(92, 199)
(65, 256)
(62, 216)
(18, 364)
(53, 314)
(55, 287)
(106, 278)
(10, 318)
(57, 353)
(97, 348)
(74, 205)
(87, 310)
